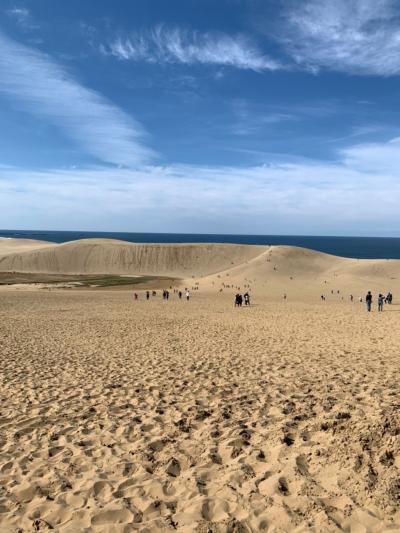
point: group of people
(165, 294)
(239, 299)
(388, 299)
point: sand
(119, 415)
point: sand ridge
(106, 256)
(270, 270)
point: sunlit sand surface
(120, 415)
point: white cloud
(21, 14)
(355, 36)
(22, 17)
(250, 119)
(374, 157)
(313, 197)
(163, 45)
(38, 85)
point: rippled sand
(149, 416)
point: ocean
(357, 247)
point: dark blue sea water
(358, 247)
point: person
(147, 295)
(351, 297)
(136, 296)
(380, 302)
(180, 295)
(368, 300)
(284, 296)
(238, 300)
(246, 297)
(187, 295)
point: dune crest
(107, 256)
(267, 269)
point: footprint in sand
(112, 516)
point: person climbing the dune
(246, 297)
(380, 302)
(368, 300)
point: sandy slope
(106, 256)
(12, 246)
(121, 416)
(269, 270)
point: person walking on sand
(187, 295)
(380, 302)
(147, 295)
(246, 297)
(368, 300)
(180, 295)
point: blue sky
(206, 116)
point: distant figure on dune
(180, 295)
(135, 296)
(380, 302)
(187, 295)
(147, 295)
(238, 300)
(322, 297)
(351, 297)
(389, 298)
(246, 297)
(368, 300)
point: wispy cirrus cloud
(374, 157)
(37, 84)
(166, 45)
(251, 119)
(355, 36)
(22, 16)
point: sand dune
(122, 415)
(269, 270)
(106, 256)
(12, 246)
